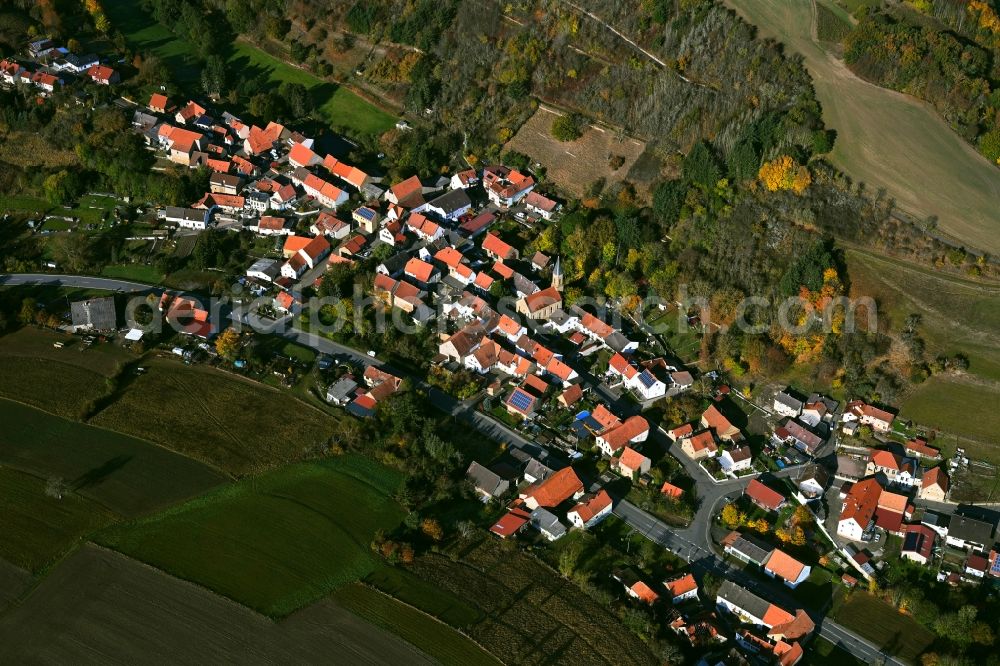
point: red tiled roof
(631, 458)
(409, 193)
(571, 395)
(100, 72)
(633, 427)
(158, 101)
(301, 155)
(784, 565)
(644, 592)
(861, 502)
(670, 490)
(419, 269)
(542, 299)
(764, 496)
(556, 489)
(295, 243)
(886, 459)
(603, 416)
(510, 523)
(682, 585)
(593, 505)
(935, 476)
(493, 245)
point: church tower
(557, 276)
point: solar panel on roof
(521, 400)
(995, 567)
(366, 213)
(647, 379)
(910, 543)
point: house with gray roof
(94, 314)
(488, 483)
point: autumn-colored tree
(798, 537)
(801, 517)
(432, 528)
(760, 525)
(784, 174)
(406, 553)
(228, 344)
(731, 516)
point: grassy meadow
(275, 542)
(897, 634)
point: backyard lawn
(276, 542)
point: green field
(899, 635)
(15, 203)
(127, 475)
(887, 139)
(276, 542)
(336, 105)
(431, 599)
(943, 403)
(234, 424)
(434, 638)
(134, 272)
(38, 528)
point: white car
(371, 353)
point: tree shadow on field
(99, 474)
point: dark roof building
(94, 314)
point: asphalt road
(693, 543)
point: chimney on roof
(557, 276)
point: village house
(746, 548)
(464, 179)
(179, 143)
(698, 445)
(969, 533)
(306, 256)
(793, 433)
(93, 314)
(639, 380)
(918, 448)
(187, 218)
(350, 174)
(780, 564)
(736, 459)
(787, 404)
(548, 524)
(302, 155)
(714, 419)
(449, 206)
(631, 464)
(918, 543)
(559, 487)
(497, 249)
(265, 270)
(764, 497)
(590, 510)
(635, 587)
(540, 205)
(895, 469)
(487, 483)
(934, 485)
(505, 187)
(976, 565)
(867, 505)
(329, 225)
(681, 588)
(780, 625)
(511, 523)
(633, 430)
(407, 194)
(223, 183)
(342, 391)
(812, 481)
(424, 228)
(865, 414)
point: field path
(890, 140)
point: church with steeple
(557, 276)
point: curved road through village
(692, 543)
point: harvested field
(888, 139)
(100, 607)
(234, 424)
(127, 475)
(37, 527)
(574, 165)
(534, 616)
(276, 542)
